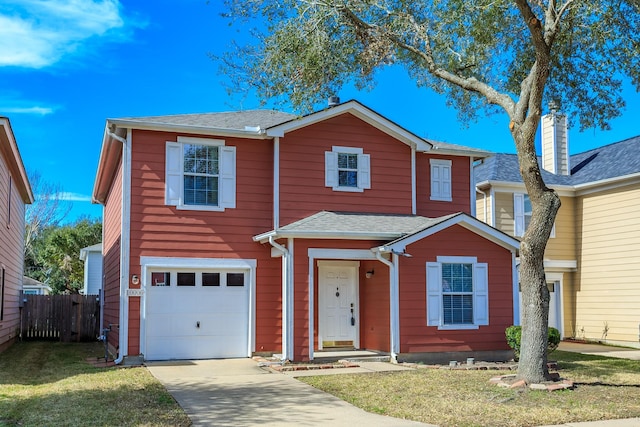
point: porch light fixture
(135, 279)
(369, 274)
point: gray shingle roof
(387, 225)
(610, 161)
(236, 120)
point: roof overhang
(470, 223)
(9, 150)
(360, 111)
(253, 133)
(110, 155)
(279, 234)
(458, 151)
(509, 186)
(606, 184)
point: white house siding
(608, 294)
(93, 273)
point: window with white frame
(440, 180)
(522, 212)
(347, 169)
(200, 174)
(457, 293)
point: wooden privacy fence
(66, 318)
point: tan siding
(504, 212)
(11, 253)
(609, 291)
(563, 246)
(481, 213)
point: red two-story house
(260, 232)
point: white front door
(338, 304)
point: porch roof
(353, 226)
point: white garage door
(196, 314)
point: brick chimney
(555, 143)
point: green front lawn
(606, 388)
(50, 384)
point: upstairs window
(457, 293)
(347, 169)
(441, 180)
(522, 212)
(200, 174)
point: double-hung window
(347, 169)
(200, 174)
(457, 293)
(522, 212)
(440, 180)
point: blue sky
(67, 66)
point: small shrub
(514, 335)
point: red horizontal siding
(302, 170)
(164, 231)
(416, 336)
(460, 186)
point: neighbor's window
(347, 169)
(200, 174)
(522, 213)
(457, 293)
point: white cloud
(74, 197)
(36, 110)
(36, 33)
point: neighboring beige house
(15, 192)
(591, 261)
(92, 258)
(34, 287)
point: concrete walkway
(237, 392)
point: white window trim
(434, 293)
(174, 170)
(442, 193)
(331, 169)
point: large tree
(56, 254)
(508, 56)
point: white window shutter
(330, 169)
(364, 171)
(434, 293)
(227, 185)
(481, 294)
(445, 182)
(173, 174)
(435, 181)
(518, 214)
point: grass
(606, 388)
(47, 384)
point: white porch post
(394, 303)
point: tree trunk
(545, 203)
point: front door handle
(198, 324)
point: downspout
(414, 208)
(472, 181)
(125, 228)
(484, 205)
(394, 320)
(287, 300)
(276, 183)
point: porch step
(378, 358)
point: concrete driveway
(237, 392)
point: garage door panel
(172, 314)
